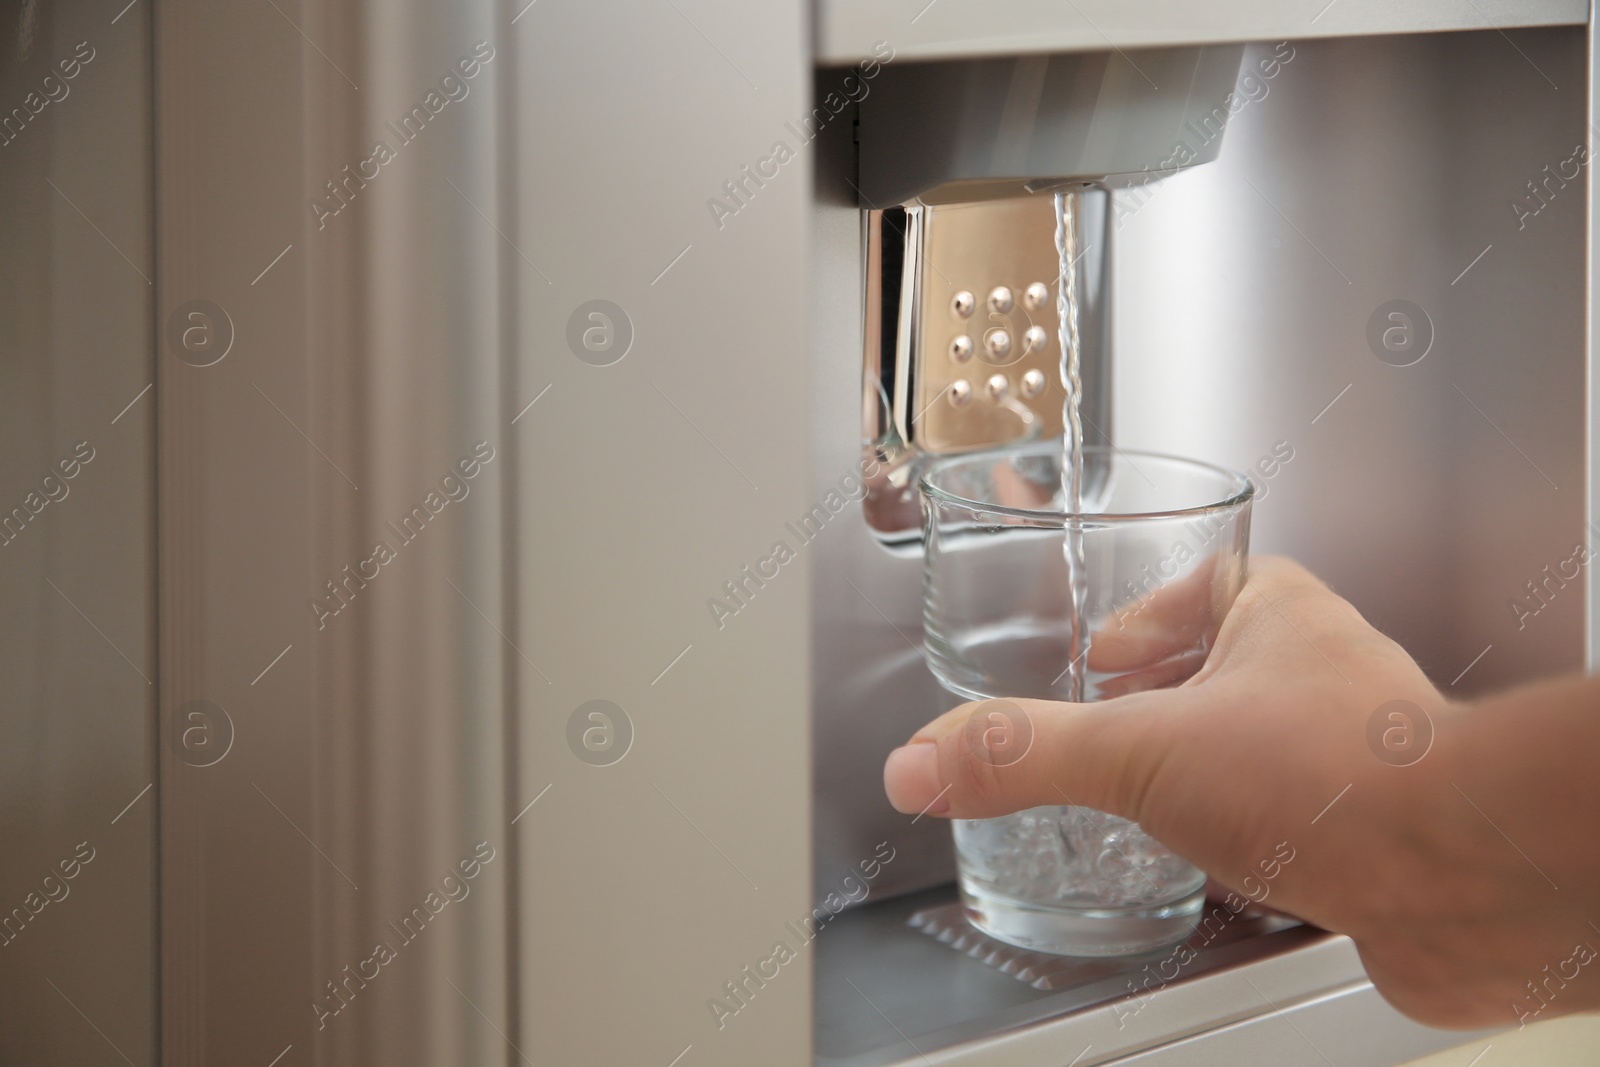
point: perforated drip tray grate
(890, 992)
(1041, 970)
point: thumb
(995, 757)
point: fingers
(1283, 621)
(999, 756)
(1158, 675)
(995, 757)
(1013, 490)
(1188, 612)
(1171, 617)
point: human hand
(1440, 861)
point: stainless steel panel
(870, 685)
(985, 129)
(369, 701)
(399, 712)
(890, 994)
(1378, 170)
(1370, 170)
(930, 373)
(644, 487)
(77, 562)
(847, 29)
(976, 248)
(1352, 1022)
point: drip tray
(947, 923)
(910, 981)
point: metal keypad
(986, 325)
(959, 340)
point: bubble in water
(1073, 856)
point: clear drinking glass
(1163, 545)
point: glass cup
(1162, 549)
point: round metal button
(996, 386)
(1000, 299)
(1035, 339)
(1033, 383)
(963, 303)
(998, 342)
(1036, 295)
(960, 392)
(961, 349)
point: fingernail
(911, 778)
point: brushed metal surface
(1463, 473)
(991, 128)
(643, 489)
(1378, 170)
(847, 29)
(369, 358)
(1371, 170)
(888, 994)
(977, 247)
(1220, 926)
(870, 685)
(395, 651)
(921, 395)
(77, 526)
(1353, 1020)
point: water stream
(1072, 440)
